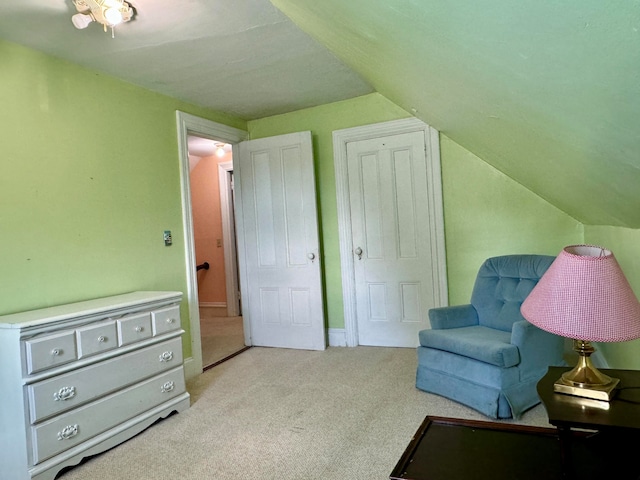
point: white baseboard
(337, 337)
(190, 370)
(212, 304)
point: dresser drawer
(96, 338)
(72, 428)
(134, 328)
(49, 351)
(165, 320)
(67, 391)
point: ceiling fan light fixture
(109, 13)
(81, 20)
(220, 150)
(113, 16)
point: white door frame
(229, 238)
(340, 140)
(191, 125)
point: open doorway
(188, 124)
(211, 180)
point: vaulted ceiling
(242, 57)
(546, 92)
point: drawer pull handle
(171, 320)
(57, 352)
(102, 339)
(139, 329)
(65, 393)
(167, 387)
(68, 432)
(166, 356)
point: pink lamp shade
(585, 296)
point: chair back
(502, 285)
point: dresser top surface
(85, 308)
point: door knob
(311, 256)
(358, 251)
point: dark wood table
(615, 424)
(568, 411)
(456, 449)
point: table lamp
(585, 296)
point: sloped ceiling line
(547, 93)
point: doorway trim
(340, 140)
(229, 238)
(188, 124)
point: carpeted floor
(345, 413)
(220, 336)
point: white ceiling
(203, 147)
(242, 57)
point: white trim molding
(225, 170)
(214, 305)
(191, 370)
(432, 144)
(191, 125)
(337, 337)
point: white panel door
(392, 238)
(282, 289)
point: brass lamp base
(585, 380)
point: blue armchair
(485, 354)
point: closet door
(392, 236)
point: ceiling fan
(107, 12)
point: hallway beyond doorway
(222, 337)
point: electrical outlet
(168, 241)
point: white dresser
(78, 379)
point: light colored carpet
(220, 336)
(346, 413)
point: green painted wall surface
(89, 181)
(486, 213)
(623, 242)
(322, 121)
(546, 92)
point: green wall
(546, 92)
(89, 182)
(486, 213)
(623, 242)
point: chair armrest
(538, 349)
(453, 317)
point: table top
(86, 308)
(454, 449)
(622, 412)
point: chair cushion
(502, 285)
(467, 369)
(478, 342)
